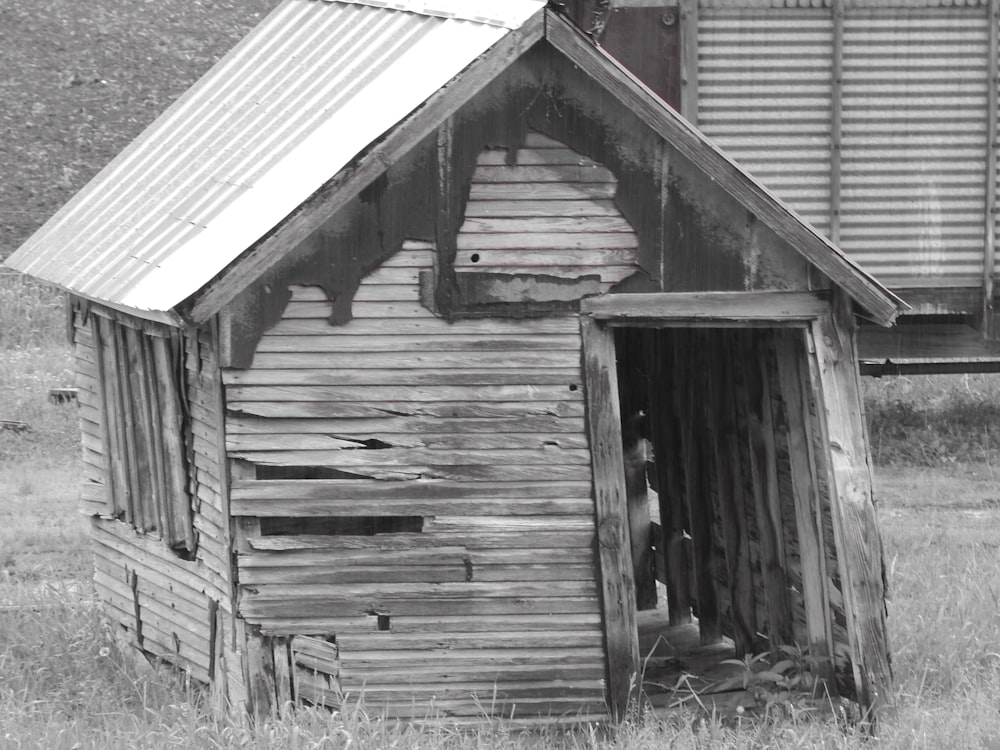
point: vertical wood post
(855, 524)
(617, 586)
(764, 474)
(794, 386)
(721, 412)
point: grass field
(64, 685)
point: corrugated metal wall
(914, 143)
(764, 88)
(914, 126)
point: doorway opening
(714, 420)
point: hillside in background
(79, 80)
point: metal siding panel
(764, 87)
(257, 135)
(914, 144)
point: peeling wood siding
(475, 426)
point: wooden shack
(357, 322)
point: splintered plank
(420, 427)
(387, 457)
(794, 387)
(455, 409)
(835, 380)
(454, 441)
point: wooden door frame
(828, 329)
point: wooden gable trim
(713, 307)
(882, 305)
(336, 193)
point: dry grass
(64, 685)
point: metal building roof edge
(465, 10)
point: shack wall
(176, 609)
(452, 564)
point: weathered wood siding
(473, 428)
(551, 213)
(177, 609)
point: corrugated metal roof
(314, 84)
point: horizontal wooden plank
(351, 491)
(551, 248)
(546, 224)
(456, 409)
(515, 208)
(461, 590)
(542, 191)
(335, 341)
(254, 609)
(389, 641)
(433, 555)
(366, 428)
(282, 507)
(407, 541)
(431, 360)
(365, 675)
(379, 662)
(440, 441)
(550, 154)
(450, 471)
(735, 306)
(396, 377)
(317, 324)
(571, 173)
(389, 575)
(387, 457)
(435, 624)
(423, 393)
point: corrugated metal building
(876, 120)
(357, 321)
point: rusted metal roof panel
(314, 84)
